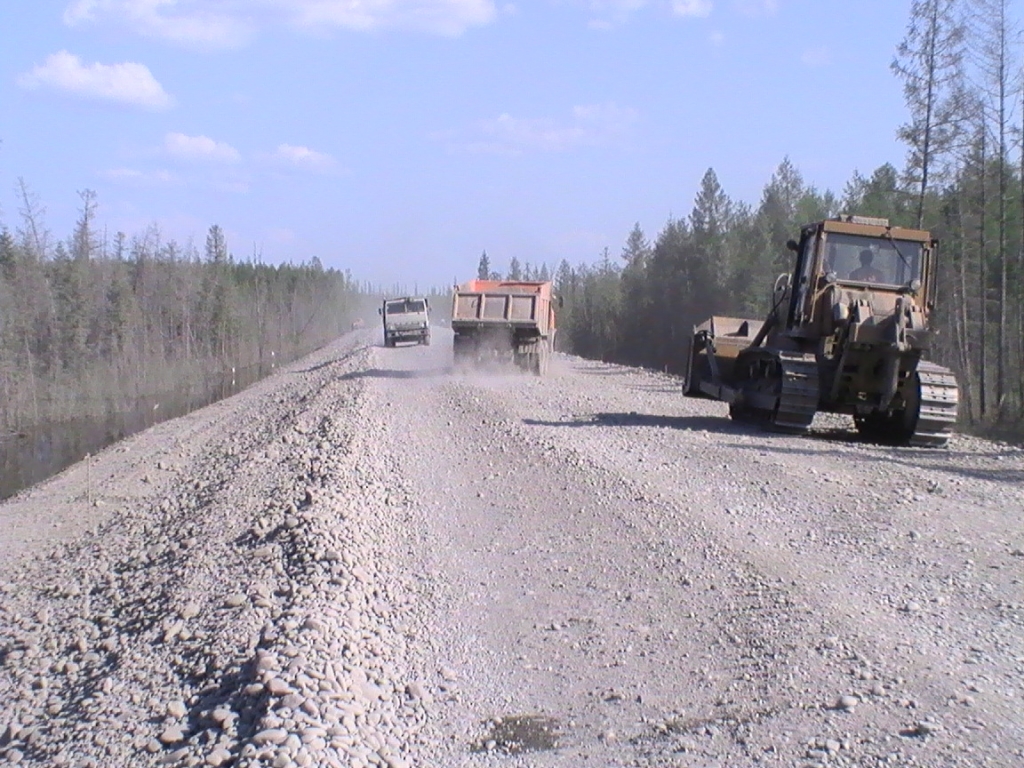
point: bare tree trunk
(960, 313)
(1019, 371)
(1001, 336)
(983, 289)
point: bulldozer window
(856, 258)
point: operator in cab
(865, 273)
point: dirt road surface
(371, 560)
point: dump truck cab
(406, 319)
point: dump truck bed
(501, 303)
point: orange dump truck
(504, 320)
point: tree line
(960, 67)
(91, 326)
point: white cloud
(758, 7)
(304, 157)
(135, 176)
(234, 186)
(698, 8)
(816, 57)
(591, 125)
(281, 235)
(199, 148)
(200, 23)
(231, 23)
(126, 83)
(612, 13)
(616, 7)
(446, 17)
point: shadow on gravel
(328, 363)
(386, 373)
(662, 388)
(707, 423)
(975, 473)
(935, 459)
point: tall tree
(637, 319)
(35, 237)
(220, 306)
(996, 34)
(83, 241)
(710, 263)
(483, 269)
(930, 61)
(881, 194)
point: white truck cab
(406, 319)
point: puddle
(520, 733)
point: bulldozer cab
(850, 256)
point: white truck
(406, 319)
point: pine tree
(710, 262)
(83, 241)
(637, 317)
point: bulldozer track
(938, 407)
(792, 386)
(798, 396)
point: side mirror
(793, 245)
(782, 283)
(380, 310)
(426, 303)
(561, 302)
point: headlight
(915, 285)
(391, 326)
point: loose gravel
(370, 560)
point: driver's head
(866, 257)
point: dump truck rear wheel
(543, 361)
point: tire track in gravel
(562, 603)
(876, 547)
(865, 562)
(727, 547)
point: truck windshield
(403, 307)
(861, 259)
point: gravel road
(370, 560)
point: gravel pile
(245, 616)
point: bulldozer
(848, 332)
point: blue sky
(400, 138)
